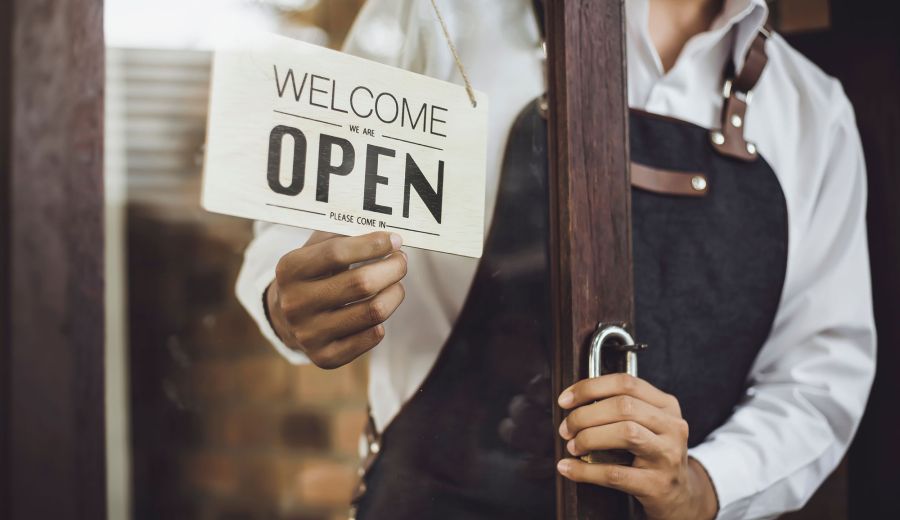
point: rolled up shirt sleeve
(808, 387)
(270, 243)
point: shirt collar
(747, 16)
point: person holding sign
(751, 280)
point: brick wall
(222, 426)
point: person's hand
(528, 428)
(332, 313)
(618, 411)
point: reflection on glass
(205, 420)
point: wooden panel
(5, 143)
(590, 203)
(795, 16)
(54, 419)
(862, 50)
(334, 17)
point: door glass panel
(205, 419)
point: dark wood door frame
(5, 336)
(52, 457)
(590, 203)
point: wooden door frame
(52, 456)
(590, 204)
(5, 279)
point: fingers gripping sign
(620, 411)
(320, 305)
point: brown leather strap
(729, 139)
(754, 63)
(685, 184)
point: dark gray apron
(476, 440)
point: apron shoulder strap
(729, 139)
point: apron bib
(709, 231)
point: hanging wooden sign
(310, 137)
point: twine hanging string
(459, 65)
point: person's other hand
(528, 427)
(618, 411)
(332, 313)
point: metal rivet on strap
(751, 148)
(718, 138)
(698, 182)
(736, 121)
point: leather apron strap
(729, 138)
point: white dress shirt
(808, 386)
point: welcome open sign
(309, 137)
